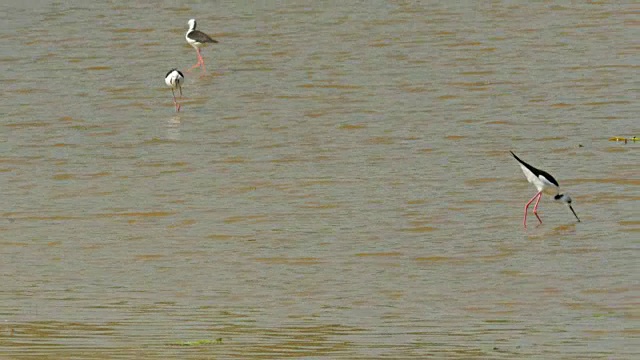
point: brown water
(338, 185)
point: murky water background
(338, 185)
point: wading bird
(174, 79)
(544, 182)
(197, 39)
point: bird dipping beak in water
(174, 79)
(545, 183)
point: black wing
(201, 37)
(172, 70)
(536, 172)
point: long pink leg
(200, 61)
(175, 102)
(535, 208)
(526, 207)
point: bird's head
(566, 199)
(192, 24)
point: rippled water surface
(337, 185)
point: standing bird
(544, 182)
(197, 39)
(174, 80)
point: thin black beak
(574, 213)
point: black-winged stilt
(197, 39)
(544, 182)
(174, 79)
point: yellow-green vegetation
(621, 138)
